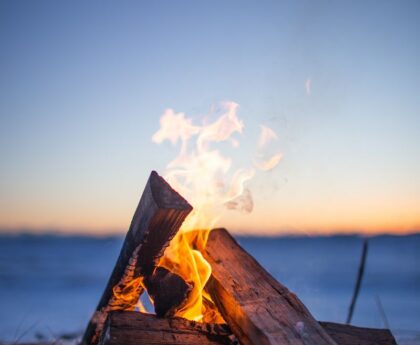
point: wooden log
(258, 309)
(351, 335)
(342, 334)
(125, 328)
(167, 290)
(131, 328)
(158, 216)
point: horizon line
(64, 232)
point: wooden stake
(258, 309)
(158, 217)
(358, 281)
(382, 311)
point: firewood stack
(258, 310)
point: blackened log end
(168, 291)
(165, 196)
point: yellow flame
(126, 295)
(184, 257)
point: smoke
(270, 163)
(264, 160)
(206, 176)
(308, 86)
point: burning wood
(130, 328)
(159, 215)
(167, 290)
(350, 335)
(258, 308)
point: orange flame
(126, 296)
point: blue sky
(83, 85)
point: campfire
(205, 288)
(232, 299)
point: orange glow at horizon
(271, 216)
(251, 228)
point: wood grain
(131, 328)
(342, 334)
(351, 335)
(259, 310)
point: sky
(84, 83)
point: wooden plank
(351, 335)
(259, 310)
(131, 328)
(158, 217)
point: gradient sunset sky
(84, 83)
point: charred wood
(158, 216)
(131, 328)
(167, 290)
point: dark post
(358, 280)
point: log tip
(164, 195)
(218, 233)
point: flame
(204, 176)
(127, 295)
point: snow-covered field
(49, 285)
